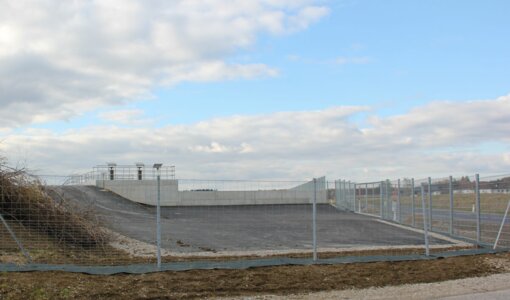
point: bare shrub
(24, 199)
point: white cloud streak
(59, 59)
(356, 60)
(439, 138)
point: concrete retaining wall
(145, 191)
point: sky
(257, 89)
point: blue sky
(358, 64)
(410, 52)
(417, 51)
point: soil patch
(281, 280)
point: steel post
(389, 203)
(342, 193)
(366, 197)
(425, 226)
(399, 215)
(430, 202)
(158, 221)
(381, 199)
(413, 218)
(356, 200)
(314, 219)
(348, 194)
(337, 193)
(478, 212)
(450, 188)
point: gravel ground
(490, 287)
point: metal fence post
(314, 219)
(425, 227)
(478, 213)
(450, 187)
(345, 195)
(356, 200)
(413, 219)
(337, 194)
(399, 216)
(430, 203)
(381, 198)
(158, 221)
(366, 197)
(349, 197)
(389, 203)
(342, 194)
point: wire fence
(471, 208)
(102, 220)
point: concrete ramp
(241, 228)
(145, 191)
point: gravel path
(490, 287)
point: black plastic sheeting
(233, 265)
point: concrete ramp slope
(145, 191)
(191, 229)
(114, 212)
(91, 197)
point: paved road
(236, 228)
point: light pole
(111, 170)
(157, 166)
(139, 174)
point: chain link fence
(101, 220)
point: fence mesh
(494, 201)
(96, 220)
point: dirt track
(258, 281)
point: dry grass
(24, 200)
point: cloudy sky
(257, 89)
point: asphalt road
(238, 228)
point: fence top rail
(361, 183)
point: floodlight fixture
(157, 166)
(111, 167)
(139, 172)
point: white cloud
(436, 139)
(357, 60)
(444, 123)
(125, 116)
(310, 13)
(61, 58)
(213, 148)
